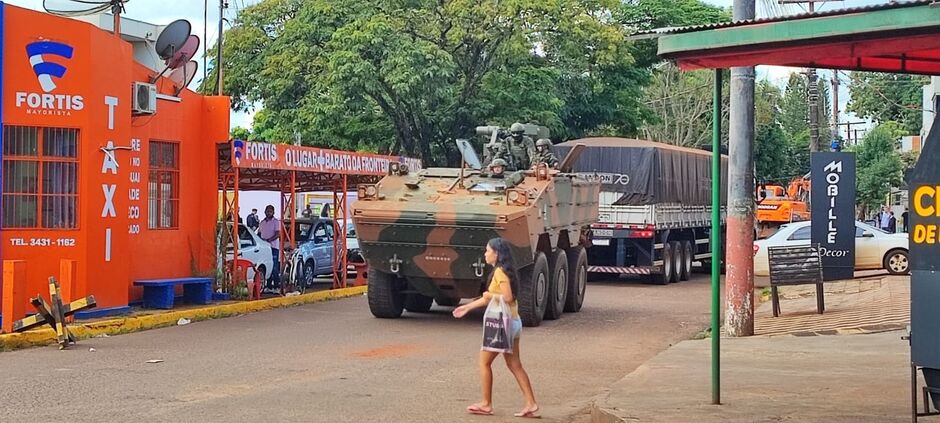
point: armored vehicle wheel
(385, 298)
(577, 278)
(557, 285)
(533, 291)
(685, 272)
(447, 301)
(417, 303)
(665, 275)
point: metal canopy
(898, 38)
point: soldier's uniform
(544, 154)
(517, 149)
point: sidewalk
(152, 319)
(785, 374)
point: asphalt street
(334, 362)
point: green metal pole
(716, 239)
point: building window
(40, 177)
(164, 186)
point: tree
(681, 104)
(886, 97)
(408, 76)
(239, 133)
(879, 165)
(644, 15)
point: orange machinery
(777, 205)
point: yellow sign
(926, 205)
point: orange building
(93, 193)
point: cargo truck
(654, 215)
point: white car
(252, 248)
(874, 248)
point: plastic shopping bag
(496, 326)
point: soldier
(544, 153)
(497, 168)
(520, 150)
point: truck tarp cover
(647, 172)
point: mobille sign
(833, 215)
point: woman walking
(504, 281)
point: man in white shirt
(270, 231)
(884, 219)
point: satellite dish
(469, 155)
(72, 8)
(185, 52)
(172, 38)
(183, 75)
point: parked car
(315, 239)
(874, 248)
(252, 248)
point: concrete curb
(46, 336)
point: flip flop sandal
(475, 409)
(529, 415)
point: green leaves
(879, 165)
(886, 97)
(409, 76)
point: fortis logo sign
(48, 60)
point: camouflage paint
(440, 234)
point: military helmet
(543, 142)
(498, 162)
(517, 128)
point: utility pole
(813, 97)
(835, 104)
(223, 4)
(739, 285)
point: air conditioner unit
(145, 98)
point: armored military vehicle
(424, 233)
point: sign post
(833, 215)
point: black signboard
(833, 212)
(924, 240)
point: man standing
(520, 148)
(892, 224)
(904, 220)
(252, 220)
(884, 218)
(270, 231)
(308, 212)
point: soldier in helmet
(519, 148)
(497, 168)
(544, 154)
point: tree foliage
(886, 97)
(409, 76)
(879, 165)
(681, 104)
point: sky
(166, 11)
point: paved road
(334, 362)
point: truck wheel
(676, 261)
(558, 285)
(447, 301)
(664, 276)
(417, 303)
(533, 291)
(685, 270)
(385, 298)
(577, 278)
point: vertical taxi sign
(924, 242)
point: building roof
(898, 37)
